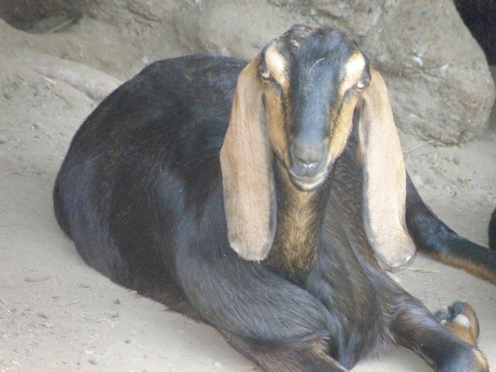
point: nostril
(308, 153)
(308, 156)
(306, 163)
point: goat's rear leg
(437, 240)
(417, 329)
(279, 326)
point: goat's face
(311, 82)
(296, 101)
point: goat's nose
(308, 155)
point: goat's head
(296, 101)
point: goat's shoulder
(192, 75)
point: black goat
(240, 194)
(492, 231)
(480, 18)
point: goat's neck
(299, 221)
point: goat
(263, 198)
(492, 231)
(478, 16)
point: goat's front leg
(278, 325)
(461, 320)
(417, 329)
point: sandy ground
(57, 314)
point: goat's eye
(361, 84)
(265, 73)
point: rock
(40, 16)
(479, 16)
(438, 78)
(449, 95)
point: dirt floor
(57, 314)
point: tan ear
(384, 188)
(247, 175)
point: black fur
(492, 231)
(480, 18)
(434, 238)
(140, 193)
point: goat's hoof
(460, 319)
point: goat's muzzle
(309, 166)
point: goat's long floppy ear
(247, 175)
(384, 188)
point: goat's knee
(309, 354)
(278, 325)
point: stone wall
(438, 78)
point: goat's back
(144, 166)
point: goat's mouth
(309, 183)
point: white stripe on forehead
(353, 69)
(276, 64)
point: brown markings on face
(277, 65)
(353, 71)
(294, 237)
(275, 90)
(341, 119)
(294, 233)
